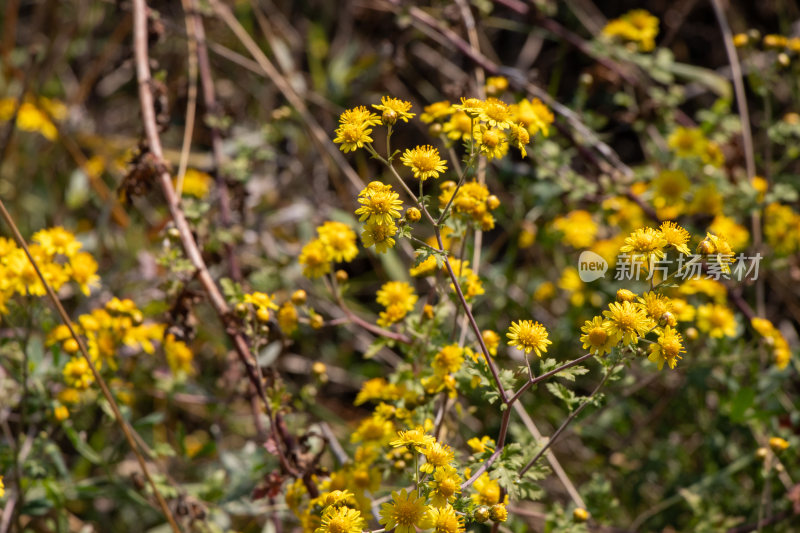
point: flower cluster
(471, 202)
(398, 298)
(35, 115)
(335, 242)
(59, 257)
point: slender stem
(123, 424)
(546, 375)
(564, 425)
(190, 247)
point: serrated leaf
(572, 372)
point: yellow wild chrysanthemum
(655, 305)
(379, 206)
(415, 438)
(445, 486)
(397, 293)
(578, 228)
(667, 349)
(374, 430)
(473, 107)
(676, 236)
(77, 373)
(595, 337)
(495, 113)
(716, 320)
(491, 339)
(424, 161)
(459, 127)
(57, 241)
(437, 456)
(448, 360)
(196, 183)
(354, 128)
(625, 322)
(394, 109)
(379, 235)
(532, 114)
(315, 259)
(179, 356)
(443, 520)
(737, 235)
(528, 336)
(487, 490)
(341, 520)
(339, 240)
(492, 142)
(436, 111)
(287, 318)
(404, 513)
(637, 26)
(687, 142)
(669, 190)
(82, 270)
(519, 137)
(645, 243)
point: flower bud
(481, 514)
(341, 276)
(580, 515)
(778, 444)
(70, 346)
(413, 214)
(262, 314)
(493, 202)
(498, 512)
(299, 297)
(624, 295)
(317, 321)
(389, 117)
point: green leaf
(81, 446)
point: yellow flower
(487, 490)
(645, 243)
(379, 235)
(60, 413)
(778, 444)
(736, 234)
(374, 430)
(83, 270)
(667, 349)
(287, 318)
(57, 241)
(2, 488)
(404, 513)
(436, 111)
(481, 445)
(496, 85)
(655, 305)
(687, 142)
(426, 267)
(77, 373)
(707, 201)
(596, 338)
(492, 340)
(676, 236)
(495, 113)
(445, 486)
(473, 107)
(669, 193)
(626, 322)
(379, 205)
(716, 320)
(413, 438)
(315, 259)
(636, 26)
(448, 360)
(578, 228)
(341, 520)
(179, 356)
(518, 135)
(498, 512)
(458, 127)
(397, 293)
(394, 109)
(437, 456)
(443, 520)
(492, 142)
(424, 161)
(532, 114)
(339, 240)
(528, 335)
(196, 183)
(360, 116)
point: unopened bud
(341, 276)
(580, 515)
(299, 297)
(481, 514)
